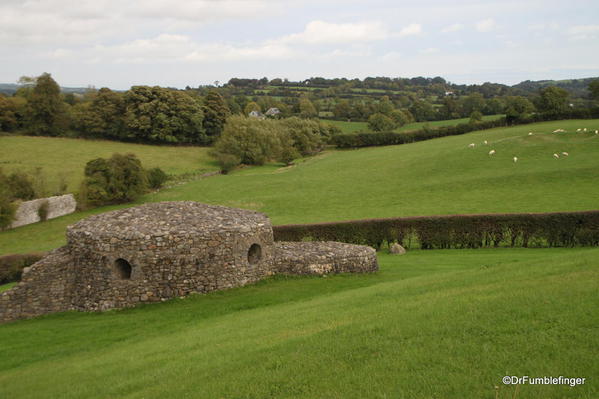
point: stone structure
(28, 211)
(396, 249)
(158, 251)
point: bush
(7, 210)
(227, 162)
(42, 211)
(115, 180)
(11, 266)
(566, 229)
(17, 186)
(156, 178)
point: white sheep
(584, 130)
(471, 145)
(530, 133)
(596, 131)
(491, 152)
(578, 130)
(486, 142)
(564, 153)
(556, 156)
(515, 159)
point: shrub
(11, 266)
(156, 178)
(42, 211)
(7, 210)
(380, 123)
(18, 186)
(227, 162)
(564, 229)
(117, 179)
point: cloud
(582, 32)
(320, 32)
(452, 28)
(430, 50)
(486, 25)
(411, 30)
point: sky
(117, 43)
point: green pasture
(430, 324)
(66, 158)
(434, 177)
(354, 127)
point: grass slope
(441, 176)
(67, 157)
(430, 324)
(353, 127)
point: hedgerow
(563, 229)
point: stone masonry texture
(158, 251)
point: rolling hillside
(430, 324)
(441, 176)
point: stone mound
(323, 258)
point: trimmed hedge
(11, 266)
(562, 229)
(357, 140)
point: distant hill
(11, 88)
(577, 87)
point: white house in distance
(272, 112)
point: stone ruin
(154, 252)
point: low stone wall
(27, 212)
(323, 258)
(46, 287)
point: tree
(251, 106)
(303, 135)
(473, 102)
(594, 89)
(117, 179)
(216, 112)
(342, 110)
(423, 111)
(517, 108)
(251, 141)
(380, 123)
(161, 115)
(104, 116)
(553, 101)
(306, 108)
(12, 111)
(46, 113)
(476, 116)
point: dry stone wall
(154, 252)
(28, 211)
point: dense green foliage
(216, 112)
(156, 178)
(117, 179)
(46, 112)
(429, 324)
(11, 266)
(457, 231)
(254, 141)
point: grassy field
(353, 127)
(441, 176)
(67, 157)
(430, 324)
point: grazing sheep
(584, 130)
(515, 159)
(486, 142)
(578, 130)
(471, 145)
(564, 153)
(596, 131)
(530, 133)
(556, 156)
(491, 152)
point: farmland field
(430, 324)
(65, 157)
(352, 127)
(441, 176)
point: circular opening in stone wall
(254, 254)
(122, 269)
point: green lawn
(430, 324)
(67, 157)
(353, 127)
(441, 176)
